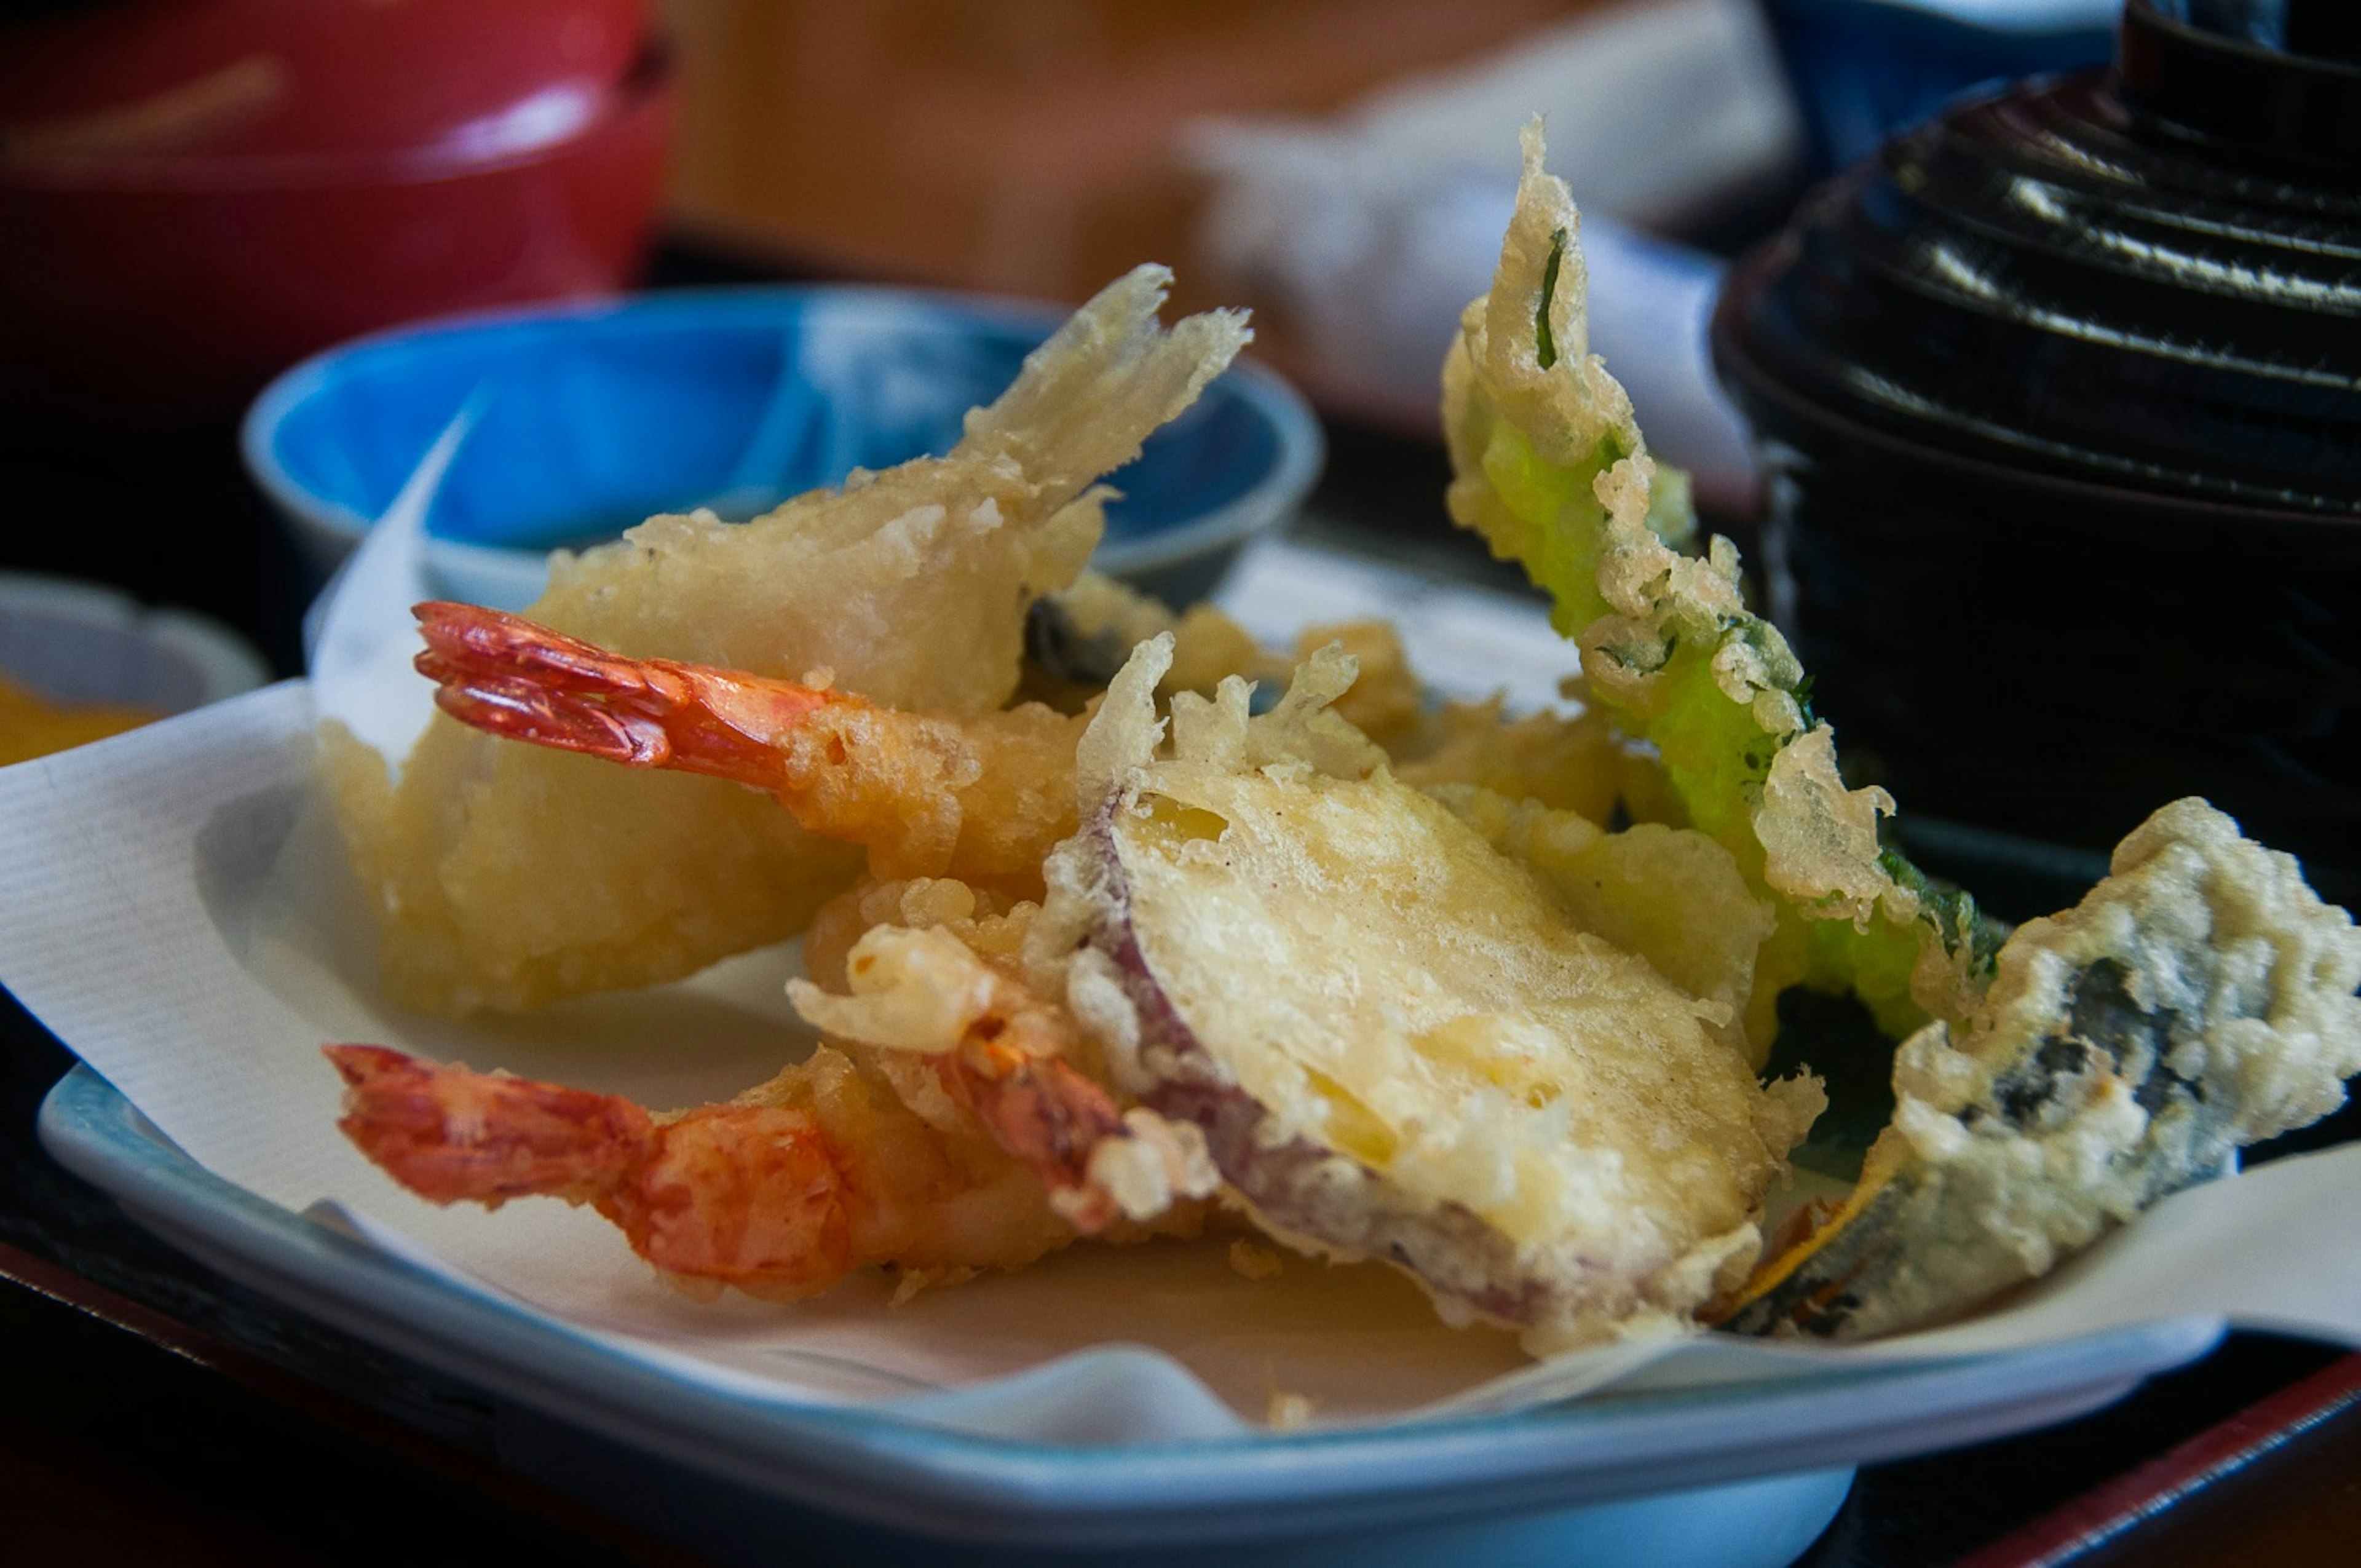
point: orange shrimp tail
(450, 1134)
(743, 1195)
(1044, 1112)
(511, 678)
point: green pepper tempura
(1550, 468)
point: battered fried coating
(1077, 639)
(988, 920)
(1670, 896)
(507, 876)
(1571, 761)
(1386, 701)
(918, 996)
(1408, 1001)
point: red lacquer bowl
(301, 77)
(142, 283)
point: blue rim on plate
(898, 1468)
(598, 416)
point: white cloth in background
(1373, 229)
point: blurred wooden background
(1023, 147)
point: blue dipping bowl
(592, 418)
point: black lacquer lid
(2147, 278)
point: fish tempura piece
(507, 876)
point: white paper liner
(175, 906)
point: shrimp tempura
(790, 1187)
(509, 875)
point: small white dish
(79, 642)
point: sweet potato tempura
(1396, 1041)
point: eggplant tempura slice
(2198, 999)
(1394, 1041)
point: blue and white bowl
(590, 419)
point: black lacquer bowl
(2059, 396)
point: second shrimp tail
(511, 677)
